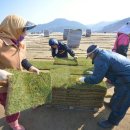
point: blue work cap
(91, 49)
(53, 41)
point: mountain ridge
(59, 24)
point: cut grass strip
(65, 61)
(60, 77)
(43, 64)
(27, 90)
(74, 84)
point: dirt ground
(58, 118)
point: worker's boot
(16, 126)
(105, 124)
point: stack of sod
(27, 90)
(65, 88)
(72, 93)
(65, 61)
(88, 95)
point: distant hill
(115, 26)
(58, 25)
(98, 26)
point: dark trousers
(119, 104)
(113, 97)
(10, 118)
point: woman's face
(22, 36)
(24, 33)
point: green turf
(60, 77)
(65, 61)
(67, 90)
(27, 90)
(43, 64)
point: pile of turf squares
(58, 86)
(72, 93)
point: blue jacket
(63, 51)
(111, 65)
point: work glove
(56, 51)
(4, 74)
(81, 79)
(75, 57)
(34, 69)
(89, 72)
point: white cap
(125, 29)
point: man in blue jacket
(116, 68)
(60, 49)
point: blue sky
(83, 11)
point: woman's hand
(34, 69)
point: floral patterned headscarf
(12, 27)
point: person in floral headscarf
(13, 29)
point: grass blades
(65, 61)
(27, 90)
(59, 86)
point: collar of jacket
(95, 55)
